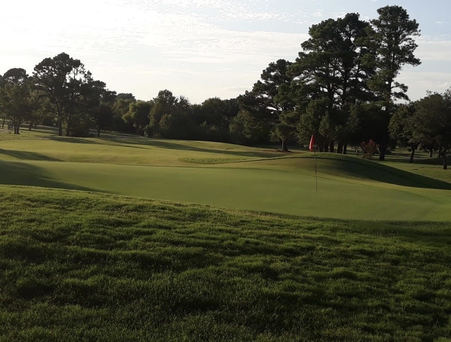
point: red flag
(311, 146)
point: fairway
(228, 176)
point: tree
(333, 68)
(432, 122)
(163, 104)
(16, 97)
(401, 128)
(138, 115)
(254, 122)
(245, 128)
(214, 116)
(310, 121)
(60, 78)
(120, 107)
(178, 122)
(43, 110)
(2, 110)
(270, 99)
(367, 122)
(97, 101)
(102, 116)
(285, 130)
(394, 37)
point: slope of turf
(226, 175)
(77, 266)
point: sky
(200, 48)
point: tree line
(62, 93)
(342, 88)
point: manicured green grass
(228, 176)
(79, 266)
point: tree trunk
(284, 146)
(345, 149)
(431, 151)
(340, 148)
(412, 154)
(67, 130)
(326, 147)
(59, 115)
(332, 147)
(60, 127)
(445, 160)
(382, 151)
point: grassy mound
(77, 266)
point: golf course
(126, 238)
(225, 171)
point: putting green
(225, 175)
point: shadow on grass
(178, 146)
(360, 168)
(125, 140)
(18, 173)
(420, 161)
(25, 155)
(71, 140)
(407, 230)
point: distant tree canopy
(432, 123)
(16, 97)
(342, 88)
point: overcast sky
(199, 48)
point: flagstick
(312, 147)
(316, 170)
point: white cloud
(434, 50)
(135, 46)
(143, 46)
(423, 81)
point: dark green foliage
(213, 118)
(120, 107)
(176, 118)
(368, 121)
(401, 128)
(164, 105)
(79, 101)
(246, 129)
(77, 266)
(138, 115)
(272, 98)
(15, 97)
(61, 79)
(254, 122)
(333, 68)
(102, 115)
(432, 123)
(394, 36)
